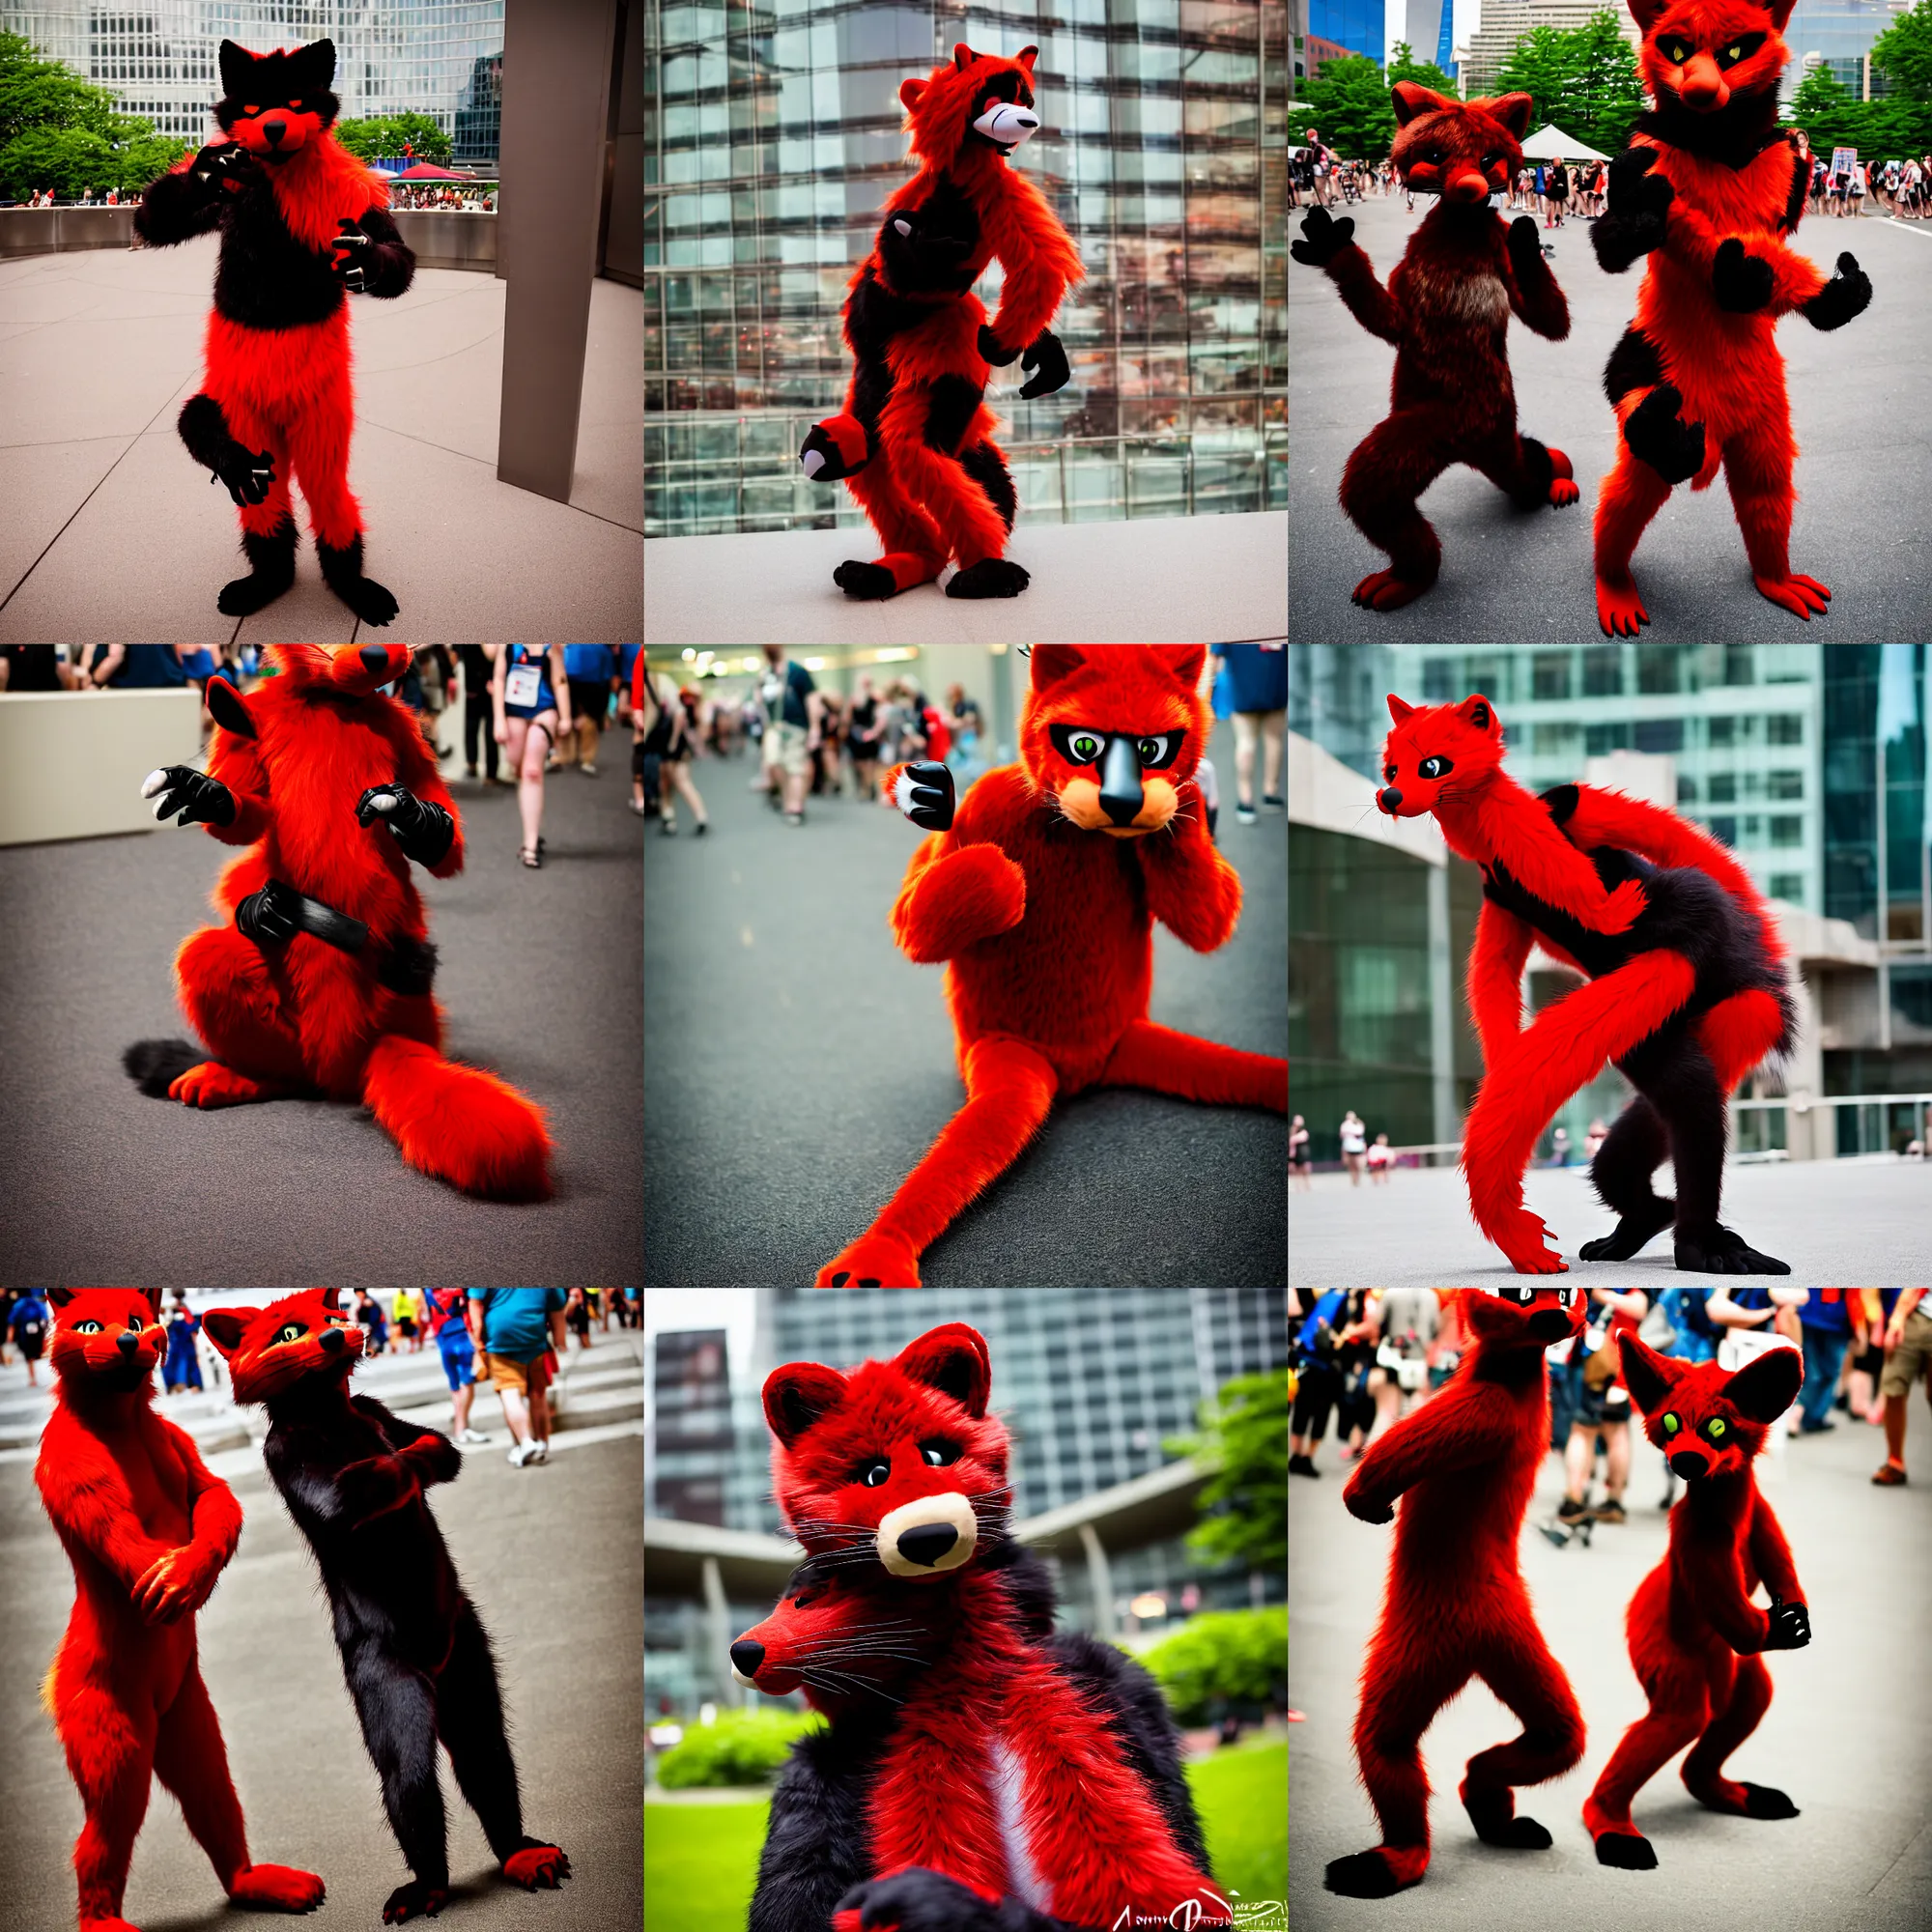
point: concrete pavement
(1866, 1221)
(1848, 1735)
(1859, 396)
(552, 1557)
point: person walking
(531, 699)
(476, 662)
(516, 1328)
(181, 1366)
(862, 736)
(1825, 1323)
(667, 738)
(1318, 1378)
(793, 711)
(1300, 1156)
(373, 1322)
(1258, 675)
(587, 668)
(1908, 1360)
(1354, 1145)
(28, 1325)
(1556, 191)
(446, 1319)
(577, 1316)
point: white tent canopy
(1550, 140)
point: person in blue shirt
(1259, 674)
(134, 667)
(181, 1367)
(1827, 1325)
(587, 668)
(28, 1325)
(517, 1328)
(449, 1323)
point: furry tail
(459, 1124)
(155, 1065)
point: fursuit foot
(1620, 612)
(418, 1899)
(277, 1889)
(213, 1085)
(1494, 1815)
(537, 1865)
(342, 571)
(1384, 590)
(244, 596)
(1563, 491)
(1378, 1874)
(1715, 1250)
(1802, 596)
(1521, 1236)
(1627, 1851)
(1633, 1231)
(875, 1260)
(991, 577)
(1751, 1801)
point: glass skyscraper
(772, 138)
(1359, 25)
(1841, 32)
(443, 58)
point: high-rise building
(1504, 22)
(772, 138)
(1431, 32)
(691, 1436)
(1838, 35)
(442, 58)
(1359, 25)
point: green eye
(1086, 745)
(290, 1331)
(1671, 1425)
(1150, 750)
(86, 1327)
(1714, 1427)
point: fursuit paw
(1494, 1815)
(1633, 1231)
(1324, 237)
(1802, 596)
(213, 1085)
(418, 1900)
(1384, 590)
(277, 1889)
(1657, 435)
(247, 474)
(875, 1260)
(1739, 282)
(1522, 1237)
(244, 596)
(1715, 1250)
(1627, 1851)
(1367, 1875)
(1763, 1801)
(1563, 490)
(991, 577)
(1622, 908)
(1366, 1508)
(1846, 294)
(833, 449)
(923, 791)
(1620, 612)
(199, 799)
(1045, 365)
(374, 603)
(871, 583)
(1790, 1630)
(355, 252)
(374, 1485)
(174, 1585)
(537, 1866)
(919, 1900)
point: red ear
(954, 1360)
(1053, 662)
(1648, 1376)
(332, 1297)
(1183, 661)
(1646, 12)
(797, 1394)
(1513, 110)
(226, 1326)
(910, 91)
(1027, 56)
(1409, 101)
(61, 1296)
(963, 55)
(1398, 710)
(1478, 712)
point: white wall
(71, 762)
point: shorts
(459, 1360)
(1599, 1407)
(589, 700)
(530, 1377)
(1907, 1363)
(784, 746)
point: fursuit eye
(811, 1596)
(1714, 1427)
(1085, 747)
(1677, 52)
(290, 1331)
(1671, 1425)
(86, 1327)
(874, 1475)
(939, 1453)
(1436, 768)
(1388, 772)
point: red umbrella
(426, 171)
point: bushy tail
(459, 1124)
(155, 1065)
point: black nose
(275, 130)
(1688, 1464)
(127, 1341)
(376, 657)
(1121, 795)
(332, 1341)
(1550, 1324)
(929, 1542)
(747, 1654)
(1390, 800)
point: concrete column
(1812, 1135)
(556, 79)
(1441, 1008)
(718, 1628)
(1099, 1580)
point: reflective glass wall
(772, 138)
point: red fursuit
(149, 1532)
(1464, 1467)
(1696, 1639)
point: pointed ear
(1648, 1376)
(228, 708)
(226, 1326)
(61, 1296)
(332, 1297)
(1780, 11)
(1767, 1385)
(1183, 663)
(1409, 101)
(954, 1360)
(1398, 710)
(1647, 12)
(1479, 713)
(236, 65)
(155, 1301)
(1513, 110)
(963, 56)
(910, 91)
(797, 1394)
(317, 61)
(1027, 56)
(1053, 662)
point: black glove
(247, 474)
(1048, 360)
(992, 350)
(352, 256)
(1790, 1627)
(918, 254)
(270, 916)
(425, 831)
(925, 795)
(1742, 283)
(1364, 1510)
(1847, 294)
(1326, 236)
(1636, 204)
(197, 797)
(1525, 244)
(223, 164)
(1657, 434)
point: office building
(442, 58)
(1431, 32)
(1359, 25)
(773, 138)
(1504, 22)
(1838, 35)
(690, 1438)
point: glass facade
(1841, 32)
(443, 58)
(1359, 25)
(773, 136)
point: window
(1787, 830)
(1786, 785)
(1551, 674)
(1600, 740)
(1739, 665)
(1656, 668)
(1602, 670)
(1557, 739)
(1721, 730)
(1438, 680)
(1686, 789)
(1784, 727)
(1724, 831)
(1659, 734)
(1787, 886)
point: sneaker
(588, 768)
(1302, 1466)
(667, 828)
(1273, 800)
(521, 1454)
(1570, 1509)
(1816, 1428)
(540, 1450)
(638, 806)
(1245, 813)
(472, 1438)
(1890, 1475)
(1610, 1512)
(703, 826)
(794, 818)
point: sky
(1469, 14)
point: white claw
(384, 801)
(902, 794)
(152, 783)
(813, 461)
(903, 226)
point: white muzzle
(913, 1540)
(1007, 124)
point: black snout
(1389, 799)
(273, 130)
(747, 1654)
(1121, 795)
(376, 657)
(1550, 1324)
(332, 1341)
(1689, 1464)
(127, 1341)
(929, 1542)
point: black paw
(1364, 1875)
(1762, 1802)
(1790, 1630)
(371, 601)
(1046, 361)
(1847, 294)
(926, 797)
(919, 1900)
(992, 350)
(197, 797)
(224, 164)
(351, 251)
(832, 466)
(244, 596)
(1489, 1813)
(272, 916)
(871, 580)
(247, 474)
(1633, 1231)
(1326, 238)
(415, 1900)
(1524, 244)
(1740, 283)
(1633, 191)
(1657, 434)
(1626, 1851)
(1716, 1250)
(991, 577)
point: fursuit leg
(1529, 474)
(1008, 1088)
(319, 451)
(1633, 1151)
(1561, 1048)
(247, 453)
(915, 552)
(1678, 1713)
(457, 1123)
(1167, 1061)
(1703, 1771)
(1757, 471)
(398, 1718)
(110, 1751)
(1626, 499)
(1524, 1674)
(233, 1000)
(1382, 483)
(920, 427)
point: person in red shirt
(1602, 1405)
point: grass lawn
(700, 1860)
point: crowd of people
(456, 195)
(1369, 1355)
(1377, 1160)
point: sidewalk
(1846, 1735)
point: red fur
(1727, 366)
(1456, 1605)
(1696, 1636)
(1446, 309)
(149, 1532)
(1044, 918)
(314, 1020)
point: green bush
(1222, 1657)
(742, 1748)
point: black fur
(1532, 487)
(1657, 434)
(155, 1065)
(945, 232)
(1633, 365)
(983, 463)
(264, 276)
(1735, 134)
(950, 404)
(816, 1842)
(991, 577)
(1846, 294)
(407, 966)
(342, 571)
(272, 568)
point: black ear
(1649, 1376)
(59, 1296)
(316, 63)
(1767, 1385)
(226, 707)
(238, 65)
(797, 1394)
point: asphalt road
(1833, 1221)
(552, 1557)
(1860, 397)
(798, 1064)
(1848, 1734)
(538, 975)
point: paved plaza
(1861, 398)
(1866, 1221)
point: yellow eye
(1671, 1425)
(290, 1331)
(1714, 1427)
(1735, 50)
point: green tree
(1604, 95)
(1222, 1657)
(1903, 52)
(1352, 108)
(60, 132)
(382, 135)
(1244, 1440)
(1538, 65)
(1825, 107)
(1403, 66)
